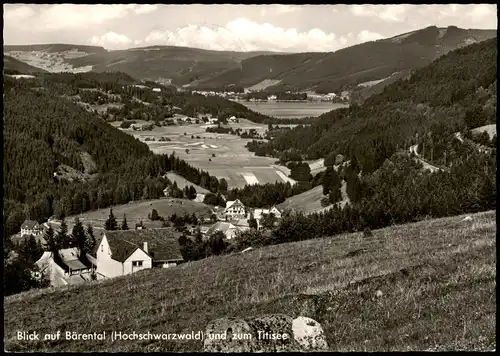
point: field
(310, 201)
(435, 281)
(490, 129)
(292, 110)
(139, 210)
(222, 155)
(182, 182)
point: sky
(281, 28)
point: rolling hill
(62, 159)
(14, 66)
(438, 94)
(435, 280)
(353, 65)
(323, 72)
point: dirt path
(426, 165)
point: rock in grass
(309, 334)
(219, 336)
(267, 333)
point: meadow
(422, 286)
(222, 155)
(138, 211)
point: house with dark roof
(123, 252)
(30, 227)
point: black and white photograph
(228, 178)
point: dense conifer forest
(45, 129)
(455, 93)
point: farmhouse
(228, 229)
(234, 210)
(30, 227)
(124, 252)
(69, 270)
(258, 214)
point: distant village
(310, 95)
(120, 252)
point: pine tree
(111, 223)
(154, 215)
(61, 237)
(124, 223)
(50, 239)
(78, 235)
(252, 222)
(90, 240)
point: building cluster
(120, 252)
(115, 254)
(235, 217)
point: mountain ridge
(319, 71)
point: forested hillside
(345, 68)
(14, 66)
(451, 94)
(62, 159)
(43, 131)
(387, 184)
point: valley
(356, 188)
(222, 155)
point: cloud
(70, 16)
(111, 40)
(244, 35)
(391, 13)
(365, 36)
(13, 15)
(285, 9)
(479, 12)
(278, 9)
(145, 9)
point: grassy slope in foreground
(437, 278)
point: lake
(292, 110)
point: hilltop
(323, 72)
(437, 279)
(54, 48)
(327, 72)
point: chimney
(145, 247)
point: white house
(258, 214)
(30, 227)
(234, 210)
(272, 97)
(157, 89)
(123, 252)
